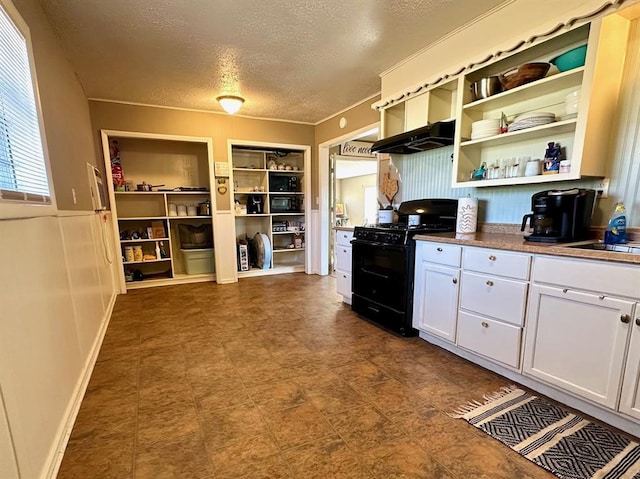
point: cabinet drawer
(343, 284)
(598, 276)
(489, 338)
(343, 238)
(446, 254)
(502, 263)
(500, 298)
(343, 258)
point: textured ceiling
(290, 60)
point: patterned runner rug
(563, 443)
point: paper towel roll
(467, 220)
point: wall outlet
(602, 188)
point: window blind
(23, 172)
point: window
(23, 168)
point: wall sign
(356, 148)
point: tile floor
(275, 377)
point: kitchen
(35, 243)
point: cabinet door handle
(625, 318)
(344, 250)
(565, 290)
(439, 250)
(637, 321)
(492, 258)
(455, 281)
(484, 324)
(602, 296)
(489, 283)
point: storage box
(198, 261)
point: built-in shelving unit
(270, 191)
(584, 138)
(148, 223)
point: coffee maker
(560, 215)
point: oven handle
(379, 245)
(373, 273)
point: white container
(198, 261)
(192, 210)
(385, 217)
(173, 210)
(182, 210)
(532, 168)
(467, 217)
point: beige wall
(219, 127)
(65, 112)
(357, 117)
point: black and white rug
(563, 443)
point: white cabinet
(435, 104)
(343, 263)
(492, 339)
(270, 187)
(493, 298)
(436, 288)
(579, 319)
(630, 398)
(148, 224)
(576, 340)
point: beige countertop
(516, 242)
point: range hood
(424, 138)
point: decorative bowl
(525, 73)
(571, 59)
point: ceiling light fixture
(230, 103)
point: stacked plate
(484, 128)
(531, 119)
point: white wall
(352, 195)
(56, 285)
(57, 294)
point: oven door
(380, 273)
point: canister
(532, 168)
(128, 254)
(137, 253)
(182, 210)
(192, 210)
(173, 210)
(385, 217)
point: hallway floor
(274, 377)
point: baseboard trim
(57, 453)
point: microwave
(285, 204)
(283, 183)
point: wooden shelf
(149, 261)
(146, 240)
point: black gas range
(383, 262)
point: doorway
(347, 186)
